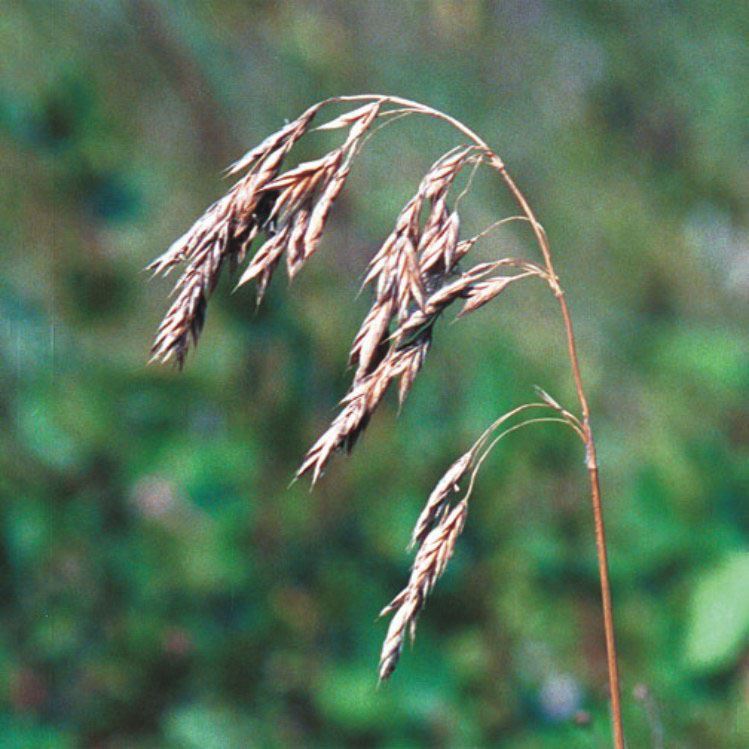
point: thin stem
(510, 430)
(567, 414)
(477, 163)
(418, 107)
(496, 225)
(502, 419)
(397, 114)
(591, 460)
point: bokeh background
(162, 586)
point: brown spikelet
(202, 235)
(223, 233)
(367, 348)
(299, 183)
(306, 193)
(395, 267)
(355, 116)
(439, 498)
(452, 288)
(182, 322)
(412, 360)
(438, 246)
(443, 172)
(319, 215)
(265, 261)
(361, 122)
(295, 244)
(484, 291)
(342, 434)
(186, 316)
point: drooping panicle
(290, 210)
(306, 194)
(414, 279)
(360, 403)
(431, 561)
(415, 276)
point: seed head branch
(436, 533)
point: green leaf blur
(162, 585)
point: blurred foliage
(720, 615)
(161, 585)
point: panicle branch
(431, 561)
(289, 210)
(415, 274)
(440, 524)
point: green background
(160, 584)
